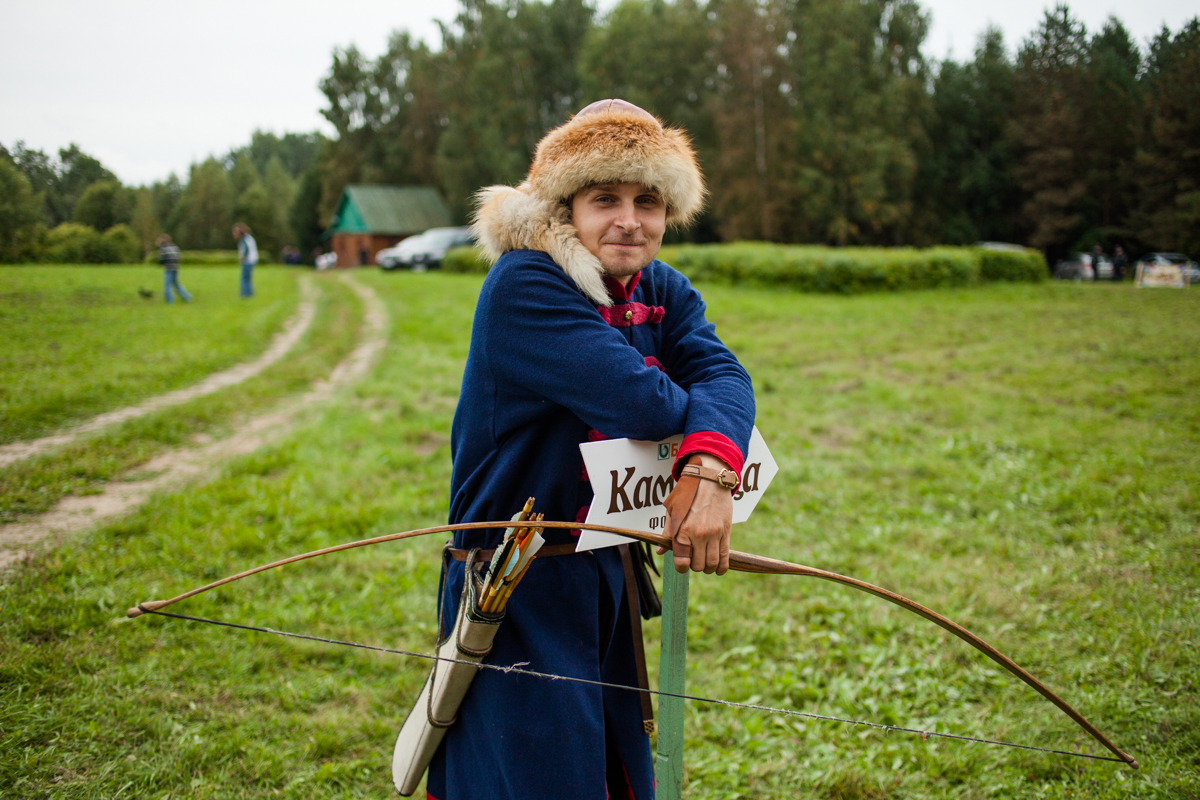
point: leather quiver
(437, 705)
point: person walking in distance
(168, 256)
(247, 256)
(1120, 263)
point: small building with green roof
(371, 218)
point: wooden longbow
(742, 562)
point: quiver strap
(639, 649)
(437, 706)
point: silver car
(425, 250)
(1084, 267)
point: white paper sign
(630, 480)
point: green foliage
(305, 214)
(200, 258)
(20, 212)
(1008, 265)
(851, 270)
(72, 243)
(296, 151)
(120, 245)
(203, 217)
(1169, 164)
(103, 205)
(60, 181)
(465, 260)
(255, 208)
(966, 190)
(144, 221)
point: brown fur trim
(512, 219)
(608, 145)
(618, 146)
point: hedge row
(205, 258)
(839, 270)
(854, 270)
(465, 259)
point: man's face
(622, 224)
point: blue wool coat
(546, 371)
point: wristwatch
(726, 478)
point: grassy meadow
(81, 336)
(1021, 458)
(79, 341)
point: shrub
(465, 259)
(120, 245)
(1012, 265)
(72, 243)
(850, 270)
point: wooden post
(671, 671)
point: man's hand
(701, 531)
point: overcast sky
(149, 87)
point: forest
(816, 121)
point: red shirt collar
(619, 293)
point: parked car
(1080, 267)
(425, 250)
(1191, 271)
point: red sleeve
(715, 445)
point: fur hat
(609, 141)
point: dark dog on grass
(146, 293)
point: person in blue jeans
(168, 256)
(247, 256)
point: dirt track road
(172, 469)
(281, 345)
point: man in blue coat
(581, 334)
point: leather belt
(547, 551)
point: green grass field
(1020, 458)
(107, 379)
(80, 340)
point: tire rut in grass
(282, 343)
(173, 468)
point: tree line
(67, 208)
(816, 121)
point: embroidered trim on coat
(627, 315)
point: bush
(465, 259)
(120, 245)
(72, 243)
(1012, 265)
(850, 270)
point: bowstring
(519, 669)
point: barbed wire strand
(519, 669)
